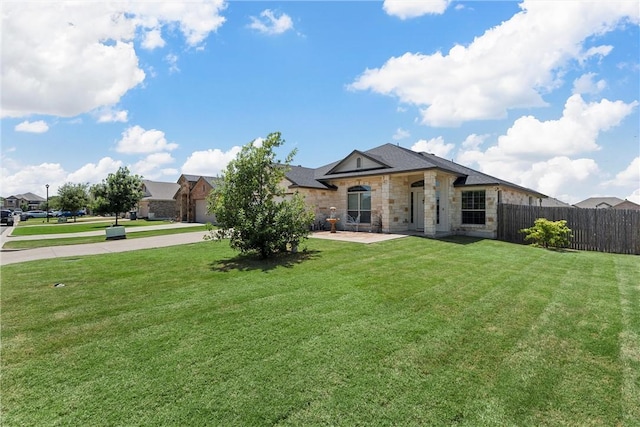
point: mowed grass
(42, 243)
(27, 229)
(406, 332)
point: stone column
(430, 203)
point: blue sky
(541, 93)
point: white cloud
(538, 154)
(634, 196)
(435, 146)
(68, 58)
(39, 126)
(153, 39)
(401, 134)
(405, 9)
(557, 174)
(630, 177)
(136, 140)
(270, 24)
(31, 178)
(210, 162)
(586, 84)
(172, 60)
(109, 115)
(150, 166)
(473, 141)
(575, 132)
(94, 173)
(509, 66)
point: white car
(36, 214)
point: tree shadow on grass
(254, 262)
(460, 240)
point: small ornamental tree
(251, 206)
(119, 193)
(547, 233)
(73, 197)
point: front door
(417, 206)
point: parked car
(17, 212)
(7, 217)
(36, 214)
(69, 213)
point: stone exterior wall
(163, 209)
(200, 191)
(320, 201)
(490, 227)
(323, 200)
(390, 203)
(514, 197)
(395, 213)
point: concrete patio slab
(356, 237)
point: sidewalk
(7, 237)
(15, 256)
(106, 247)
(125, 245)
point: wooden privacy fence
(602, 230)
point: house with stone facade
(28, 201)
(191, 198)
(158, 200)
(396, 190)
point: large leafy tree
(72, 197)
(120, 192)
(251, 205)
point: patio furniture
(353, 223)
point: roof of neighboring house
(28, 196)
(155, 190)
(194, 178)
(552, 202)
(599, 202)
(627, 204)
(212, 180)
(396, 159)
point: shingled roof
(155, 190)
(304, 177)
(395, 159)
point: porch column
(384, 204)
(430, 203)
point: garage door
(201, 213)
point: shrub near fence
(602, 230)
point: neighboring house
(552, 202)
(627, 204)
(191, 198)
(32, 201)
(158, 201)
(396, 190)
(607, 203)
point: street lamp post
(47, 202)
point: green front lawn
(26, 229)
(42, 243)
(406, 332)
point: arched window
(358, 163)
(359, 203)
